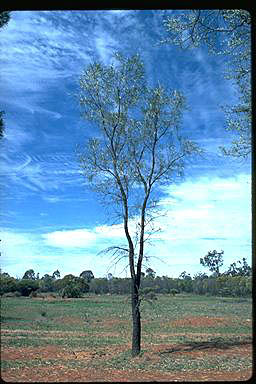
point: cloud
(41, 172)
(201, 215)
(78, 238)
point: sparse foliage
(150, 273)
(213, 260)
(56, 274)
(239, 268)
(224, 32)
(137, 147)
(29, 274)
(4, 18)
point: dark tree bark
(136, 322)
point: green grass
(94, 322)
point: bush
(72, 283)
(26, 286)
(174, 292)
(149, 293)
(7, 284)
(71, 291)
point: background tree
(137, 147)
(26, 286)
(72, 286)
(56, 274)
(243, 269)
(213, 260)
(150, 273)
(185, 282)
(87, 275)
(29, 274)
(7, 283)
(46, 283)
(224, 32)
(4, 18)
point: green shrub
(72, 283)
(71, 290)
(174, 292)
(26, 286)
(7, 284)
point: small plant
(43, 313)
(174, 292)
(148, 294)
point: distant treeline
(236, 281)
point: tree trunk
(136, 331)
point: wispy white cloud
(41, 172)
(77, 238)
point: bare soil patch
(62, 374)
(70, 320)
(200, 321)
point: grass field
(191, 338)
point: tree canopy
(4, 18)
(224, 32)
(136, 146)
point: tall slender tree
(137, 146)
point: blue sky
(49, 219)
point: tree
(224, 32)
(7, 283)
(56, 274)
(137, 147)
(213, 260)
(29, 274)
(150, 273)
(185, 276)
(4, 18)
(87, 275)
(46, 283)
(72, 286)
(26, 286)
(242, 270)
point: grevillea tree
(134, 146)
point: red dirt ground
(61, 373)
(202, 321)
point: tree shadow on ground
(216, 343)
